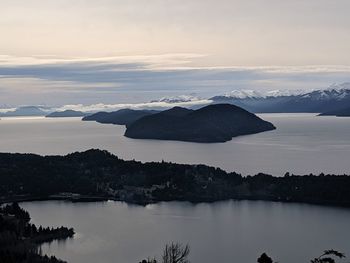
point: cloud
(155, 105)
(114, 80)
(236, 32)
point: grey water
(301, 144)
(225, 232)
(231, 231)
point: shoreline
(96, 175)
(88, 199)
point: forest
(99, 175)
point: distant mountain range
(25, 111)
(213, 123)
(334, 98)
(120, 117)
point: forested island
(213, 123)
(20, 240)
(99, 175)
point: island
(120, 117)
(20, 240)
(66, 113)
(212, 123)
(96, 175)
(345, 112)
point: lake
(230, 231)
(302, 144)
(225, 232)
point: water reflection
(217, 232)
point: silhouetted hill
(213, 123)
(339, 113)
(66, 113)
(120, 117)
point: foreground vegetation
(178, 253)
(96, 174)
(20, 240)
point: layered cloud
(234, 32)
(126, 80)
(154, 105)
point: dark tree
(328, 256)
(265, 259)
(149, 260)
(176, 253)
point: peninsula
(66, 113)
(99, 175)
(345, 112)
(120, 117)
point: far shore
(90, 198)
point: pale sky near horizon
(47, 45)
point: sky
(87, 51)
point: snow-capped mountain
(334, 92)
(242, 94)
(283, 93)
(335, 97)
(253, 94)
(177, 99)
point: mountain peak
(177, 99)
(339, 86)
(254, 94)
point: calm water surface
(302, 143)
(229, 231)
(225, 232)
